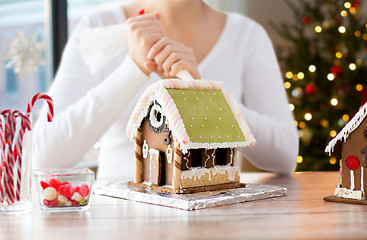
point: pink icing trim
(167, 100)
(176, 120)
(195, 85)
(174, 83)
(213, 85)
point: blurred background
(321, 47)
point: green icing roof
(207, 116)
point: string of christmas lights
(325, 73)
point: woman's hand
(143, 32)
(167, 57)
(153, 51)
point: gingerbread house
(351, 142)
(186, 133)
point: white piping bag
(100, 45)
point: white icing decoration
(362, 186)
(197, 173)
(213, 156)
(207, 156)
(152, 117)
(231, 157)
(169, 154)
(352, 180)
(348, 193)
(145, 149)
(186, 158)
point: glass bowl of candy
(61, 190)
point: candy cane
(18, 161)
(2, 156)
(50, 112)
(3, 177)
(25, 124)
(5, 155)
(5, 162)
(12, 155)
(8, 180)
(11, 148)
(10, 127)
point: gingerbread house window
(221, 156)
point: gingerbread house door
(157, 167)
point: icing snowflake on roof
(348, 128)
(200, 114)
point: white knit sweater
(91, 108)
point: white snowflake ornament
(25, 53)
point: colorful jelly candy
(64, 194)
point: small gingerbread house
(186, 133)
(351, 141)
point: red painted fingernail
(141, 12)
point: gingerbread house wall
(355, 142)
(155, 141)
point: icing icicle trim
(199, 172)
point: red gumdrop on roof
(352, 162)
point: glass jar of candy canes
(16, 157)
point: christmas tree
(325, 71)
